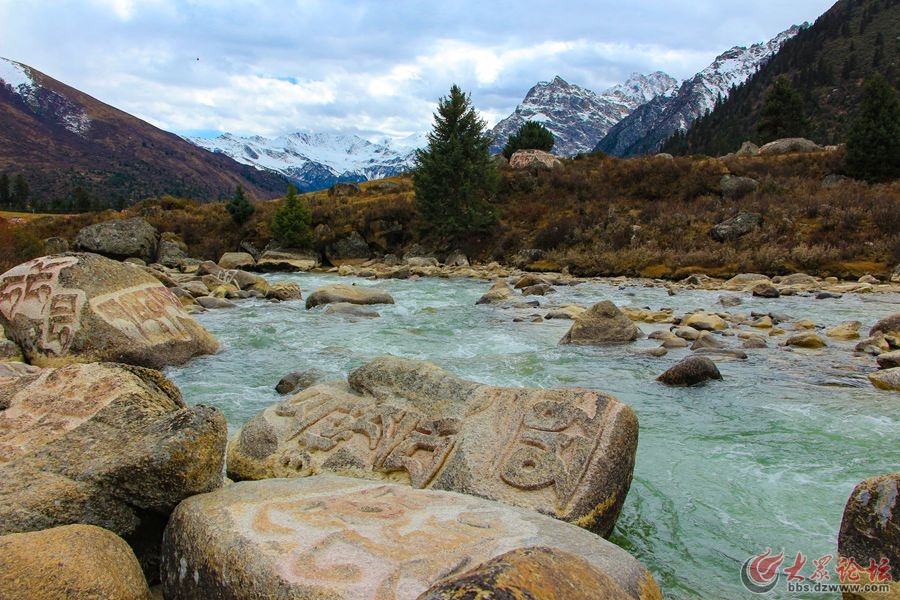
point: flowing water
(765, 458)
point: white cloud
(275, 66)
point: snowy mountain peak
(315, 160)
(15, 75)
(18, 79)
(577, 116)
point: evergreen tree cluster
(873, 146)
(291, 222)
(530, 136)
(455, 176)
(239, 207)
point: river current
(765, 458)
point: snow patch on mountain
(41, 100)
(14, 75)
(577, 116)
(318, 160)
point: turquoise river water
(765, 458)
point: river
(765, 458)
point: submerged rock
(568, 453)
(85, 308)
(297, 381)
(104, 444)
(807, 339)
(69, 562)
(352, 294)
(499, 292)
(339, 538)
(603, 323)
(690, 371)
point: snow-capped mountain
(317, 161)
(646, 128)
(19, 79)
(578, 117)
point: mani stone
(354, 294)
(536, 572)
(568, 453)
(870, 529)
(104, 444)
(72, 562)
(603, 323)
(340, 538)
(85, 308)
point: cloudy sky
(270, 67)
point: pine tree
(455, 176)
(290, 225)
(5, 196)
(782, 114)
(530, 136)
(20, 192)
(239, 207)
(873, 143)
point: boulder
(85, 308)
(104, 444)
(343, 189)
(886, 379)
(744, 280)
(798, 279)
(788, 146)
(888, 326)
(9, 350)
(283, 291)
(212, 302)
(533, 159)
(603, 323)
(874, 344)
(287, 260)
(421, 261)
(707, 340)
(764, 289)
(354, 294)
(350, 250)
(888, 360)
(748, 148)
(848, 330)
(456, 259)
(297, 381)
(734, 187)
(568, 453)
(56, 245)
(807, 339)
(536, 572)
(566, 311)
(538, 290)
(499, 292)
(690, 371)
(250, 282)
(870, 532)
(237, 260)
(120, 239)
(339, 538)
(704, 321)
(72, 562)
(730, 301)
(171, 253)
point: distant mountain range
(645, 129)
(578, 117)
(65, 143)
(315, 161)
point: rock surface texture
(603, 323)
(352, 294)
(120, 239)
(339, 538)
(86, 308)
(568, 453)
(105, 444)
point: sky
(375, 69)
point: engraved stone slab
(85, 308)
(568, 453)
(339, 538)
(105, 444)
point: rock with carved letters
(81, 307)
(568, 453)
(103, 444)
(340, 538)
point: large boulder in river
(603, 323)
(85, 308)
(237, 260)
(120, 239)
(288, 260)
(690, 371)
(345, 539)
(568, 453)
(870, 531)
(71, 562)
(353, 294)
(888, 326)
(886, 379)
(104, 444)
(499, 292)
